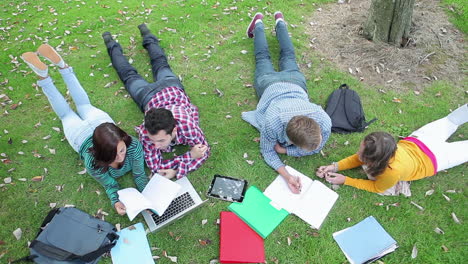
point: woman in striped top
(107, 151)
(388, 163)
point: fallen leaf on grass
(250, 162)
(430, 192)
(418, 206)
(18, 233)
(204, 242)
(37, 178)
(204, 221)
(2, 242)
(82, 172)
(455, 218)
(289, 241)
(80, 187)
(450, 191)
(414, 252)
(22, 179)
(445, 248)
(7, 180)
(214, 261)
(173, 259)
(52, 205)
(56, 129)
(246, 155)
(439, 231)
(446, 197)
(156, 257)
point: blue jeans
(76, 127)
(139, 89)
(265, 75)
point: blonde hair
(304, 132)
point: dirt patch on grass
(436, 50)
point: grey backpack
(69, 235)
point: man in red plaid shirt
(170, 118)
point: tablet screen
(227, 188)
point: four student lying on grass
(288, 123)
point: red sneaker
(250, 29)
(279, 17)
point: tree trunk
(389, 21)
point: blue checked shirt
(280, 103)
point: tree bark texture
(389, 21)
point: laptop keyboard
(178, 205)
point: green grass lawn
(204, 41)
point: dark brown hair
(379, 148)
(106, 137)
(304, 132)
(157, 119)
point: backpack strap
(370, 122)
(63, 255)
(47, 219)
(344, 86)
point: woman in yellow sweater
(386, 162)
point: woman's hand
(322, 171)
(120, 208)
(335, 178)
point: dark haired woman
(107, 151)
(424, 153)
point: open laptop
(186, 201)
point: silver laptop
(186, 201)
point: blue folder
(365, 242)
(132, 246)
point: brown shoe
(46, 51)
(35, 64)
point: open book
(311, 205)
(157, 196)
(365, 242)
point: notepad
(132, 246)
(157, 196)
(313, 203)
(365, 242)
(238, 243)
(258, 213)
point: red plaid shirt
(189, 133)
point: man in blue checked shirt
(288, 122)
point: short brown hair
(304, 132)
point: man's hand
(294, 184)
(335, 178)
(120, 208)
(198, 151)
(279, 149)
(322, 171)
(169, 173)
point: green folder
(258, 213)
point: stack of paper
(238, 243)
(365, 242)
(258, 213)
(311, 205)
(132, 246)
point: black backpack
(345, 110)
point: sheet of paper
(279, 192)
(132, 246)
(134, 201)
(160, 192)
(315, 204)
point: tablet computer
(227, 188)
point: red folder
(239, 243)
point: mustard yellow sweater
(408, 164)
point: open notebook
(313, 203)
(157, 196)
